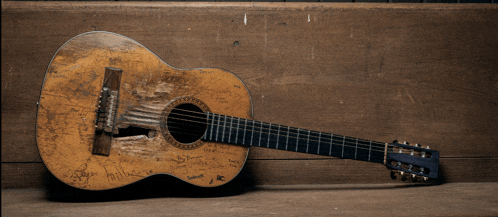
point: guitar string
(332, 141)
(203, 113)
(272, 130)
(375, 144)
(347, 144)
(379, 144)
(266, 124)
(232, 117)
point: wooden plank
(417, 72)
(277, 172)
(24, 175)
(455, 199)
(338, 171)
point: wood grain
(423, 73)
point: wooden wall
(424, 73)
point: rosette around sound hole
(186, 123)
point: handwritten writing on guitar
(118, 173)
(185, 163)
(79, 176)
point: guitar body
(65, 129)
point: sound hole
(186, 123)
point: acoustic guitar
(111, 113)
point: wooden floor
(453, 199)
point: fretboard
(234, 130)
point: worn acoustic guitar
(111, 113)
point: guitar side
(69, 99)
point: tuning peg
(414, 178)
(395, 141)
(427, 147)
(393, 174)
(417, 145)
(426, 178)
(404, 143)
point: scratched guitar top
(70, 97)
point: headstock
(412, 161)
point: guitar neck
(234, 130)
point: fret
(260, 134)
(303, 141)
(331, 139)
(369, 150)
(287, 140)
(297, 139)
(364, 152)
(269, 133)
(224, 124)
(212, 126)
(207, 126)
(350, 149)
(230, 134)
(312, 143)
(343, 140)
(337, 148)
(278, 136)
(291, 146)
(378, 154)
(308, 142)
(244, 136)
(252, 133)
(319, 138)
(218, 127)
(356, 149)
(237, 134)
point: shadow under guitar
(155, 186)
(159, 186)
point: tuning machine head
(406, 176)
